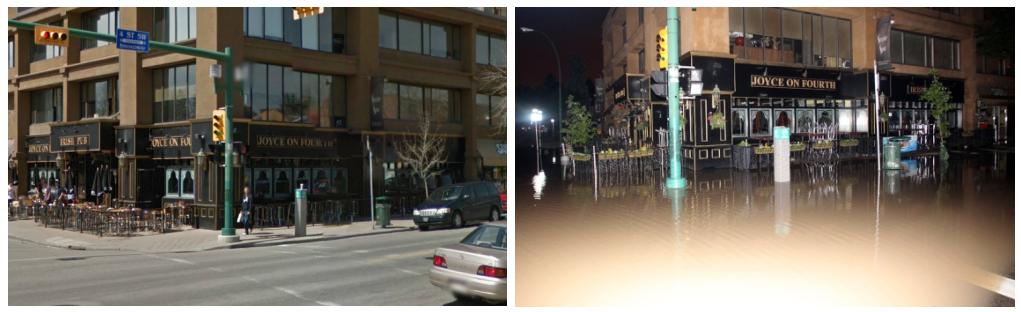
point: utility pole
(676, 179)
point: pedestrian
(246, 211)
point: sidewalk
(193, 239)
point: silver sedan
(475, 268)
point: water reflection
(736, 234)
(538, 183)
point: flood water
(735, 238)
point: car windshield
(488, 236)
(446, 193)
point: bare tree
(493, 80)
(423, 152)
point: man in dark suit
(246, 212)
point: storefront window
(761, 122)
(98, 98)
(262, 183)
(825, 118)
(104, 21)
(47, 105)
(845, 120)
(805, 121)
(320, 181)
(739, 122)
(174, 24)
(282, 184)
(782, 118)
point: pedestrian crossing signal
(51, 35)
(661, 48)
(218, 126)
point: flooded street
(733, 238)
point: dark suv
(457, 204)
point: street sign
(133, 40)
(215, 71)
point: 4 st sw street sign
(133, 40)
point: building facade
(311, 95)
(809, 69)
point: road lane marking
(285, 252)
(410, 272)
(181, 261)
(216, 269)
(361, 251)
(327, 303)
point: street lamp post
(560, 78)
(536, 118)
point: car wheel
(423, 228)
(494, 215)
(464, 299)
(457, 222)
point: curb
(306, 239)
(319, 237)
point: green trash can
(891, 153)
(383, 204)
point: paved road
(389, 269)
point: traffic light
(51, 35)
(661, 48)
(303, 12)
(218, 126)
(659, 85)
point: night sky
(575, 31)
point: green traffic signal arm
(156, 45)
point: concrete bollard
(781, 154)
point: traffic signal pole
(227, 234)
(676, 179)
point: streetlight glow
(536, 115)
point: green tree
(939, 96)
(578, 127)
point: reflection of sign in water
(780, 82)
(916, 89)
(909, 145)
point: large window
(47, 105)
(99, 98)
(490, 49)
(788, 36)
(45, 52)
(411, 34)
(410, 102)
(174, 24)
(486, 107)
(279, 93)
(922, 50)
(316, 32)
(173, 93)
(994, 66)
(10, 52)
(104, 21)
(179, 182)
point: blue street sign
(133, 40)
